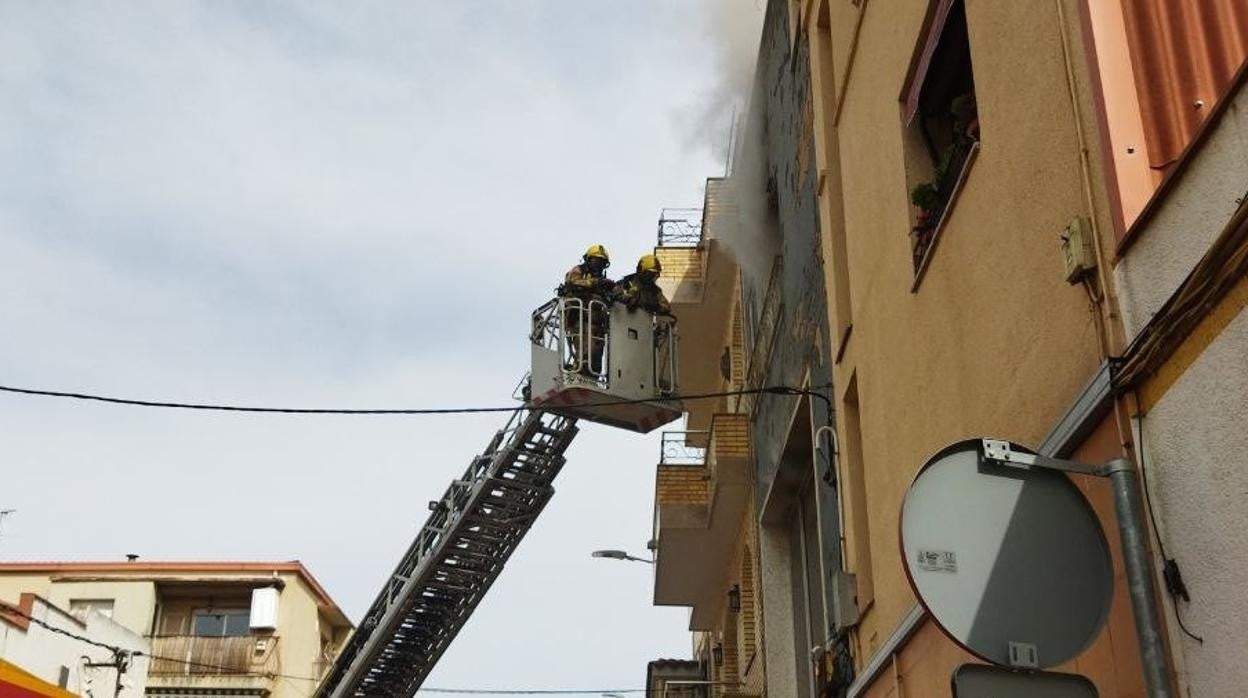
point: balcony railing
(680, 227)
(680, 448)
(193, 655)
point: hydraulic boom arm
(455, 558)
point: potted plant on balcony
(925, 198)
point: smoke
(733, 28)
(725, 119)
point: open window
(941, 122)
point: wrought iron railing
(678, 448)
(680, 227)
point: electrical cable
(1168, 562)
(117, 650)
(772, 390)
(13, 610)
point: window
(220, 622)
(941, 121)
(81, 608)
(854, 496)
(831, 192)
(808, 613)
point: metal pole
(1128, 504)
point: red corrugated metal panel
(1185, 53)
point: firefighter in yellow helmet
(641, 289)
(589, 278)
(589, 292)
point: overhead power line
(772, 390)
(122, 651)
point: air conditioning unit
(264, 608)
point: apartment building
(952, 219)
(953, 137)
(747, 519)
(214, 628)
(40, 652)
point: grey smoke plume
(734, 27)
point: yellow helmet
(597, 252)
(649, 263)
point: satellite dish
(1010, 562)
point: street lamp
(620, 555)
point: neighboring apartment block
(214, 628)
(949, 219)
(41, 655)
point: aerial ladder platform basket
(604, 363)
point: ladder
(457, 555)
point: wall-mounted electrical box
(1077, 250)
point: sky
(338, 205)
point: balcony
(701, 499)
(700, 279)
(242, 663)
(682, 486)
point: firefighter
(587, 282)
(641, 290)
(589, 278)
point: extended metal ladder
(455, 558)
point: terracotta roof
(155, 568)
(1184, 54)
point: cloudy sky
(346, 205)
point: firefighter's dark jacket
(581, 283)
(637, 293)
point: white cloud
(330, 204)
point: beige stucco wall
(134, 603)
(299, 628)
(993, 341)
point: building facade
(747, 530)
(216, 628)
(950, 219)
(952, 180)
(36, 641)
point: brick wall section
(730, 436)
(682, 484)
(749, 623)
(680, 262)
